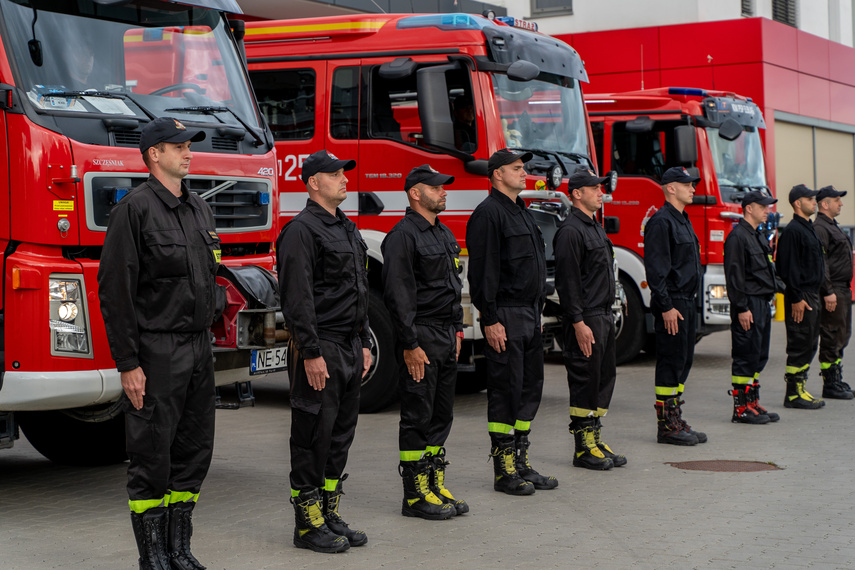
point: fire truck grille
(127, 138)
(223, 144)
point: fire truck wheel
(67, 438)
(631, 337)
(379, 387)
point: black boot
(180, 531)
(669, 428)
(754, 398)
(840, 378)
(524, 468)
(797, 397)
(702, 437)
(437, 482)
(506, 479)
(743, 412)
(310, 529)
(419, 500)
(150, 529)
(333, 519)
(588, 454)
(618, 460)
(832, 385)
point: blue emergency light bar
(687, 91)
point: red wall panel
(781, 88)
(780, 44)
(814, 97)
(842, 102)
(688, 45)
(813, 55)
(841, 62)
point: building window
(786, 12)
(748, 8)
(551, 7)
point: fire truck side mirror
(730, 130)
(611, 183)
(611, 224)
(523, 70)
(435, 109)
(685, 145)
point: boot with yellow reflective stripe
(524, 468)
(797, 397)
(437, 482)
(833, 387)
(588, 454)
(331, 500)
(180, 531)
(311, 531)
(419, 501)
(506, 478)
(150, 528)
(618, 460)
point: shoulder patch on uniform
(213, 234)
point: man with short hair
(751, 285)
(421, 287)
(157, 287)
(585, 280)
(672, 263)
(324, 290)
(835, 323)
(801, 266)
(507, 283)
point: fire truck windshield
(547, 113)
(140, 59)
(739, 163)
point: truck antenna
(712, 70)
(642, 67)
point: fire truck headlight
(719, 303)
(718, 292)
(555, 176)
(67, 317)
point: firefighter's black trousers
(515, 375)
(835, 327)
(591, 379)
(675, 353)
(170, 440)
(323, 422)
(427, 406)
(803, 337)
(750, 348)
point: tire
(632, 335)
(380, 385)
(76, 437)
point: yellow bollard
(779, 306)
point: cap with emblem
(801, 191)
(583, 178)
(757, 197)
(506, 156)
(679, 174)
(167, 129)
(424, 174)
(829, 192)
(324, 161)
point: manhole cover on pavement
(725, 465)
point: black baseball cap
(424, 174)
(757, 197)
(582, 178)
(506, 156)
(829, 192)
(801, 191)
(679, 174)
(167, 129)
(324, 161)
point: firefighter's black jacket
(838, 253)
(800, 261)
(323, 281)
(421, 277)
(158, 268)
(748, 268)
(507, 259)
(672, 257)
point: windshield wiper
(104, 95)
(578, 156)
(212, 110)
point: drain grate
(725, 466)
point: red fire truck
(641, 134)
(397, 91)
(78, 81)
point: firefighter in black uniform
(157, 287)
(800, 265)
(751, 285)
(507, 282)
(835, 323)
(421, 287)
(585, 280)
(323, 285)
(673, 266)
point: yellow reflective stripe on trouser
(797, 369)
(666, 391)
(601, 412)
(520, 425)
(295, 492)
(330, 484)
(181, 497)
(411, 455)
(581, 413)
(741, 379)
(756, 375)
(827, 365)
(146, 504)
(496, 427)
(680, 389)
(433, 449)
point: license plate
(271, 360)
